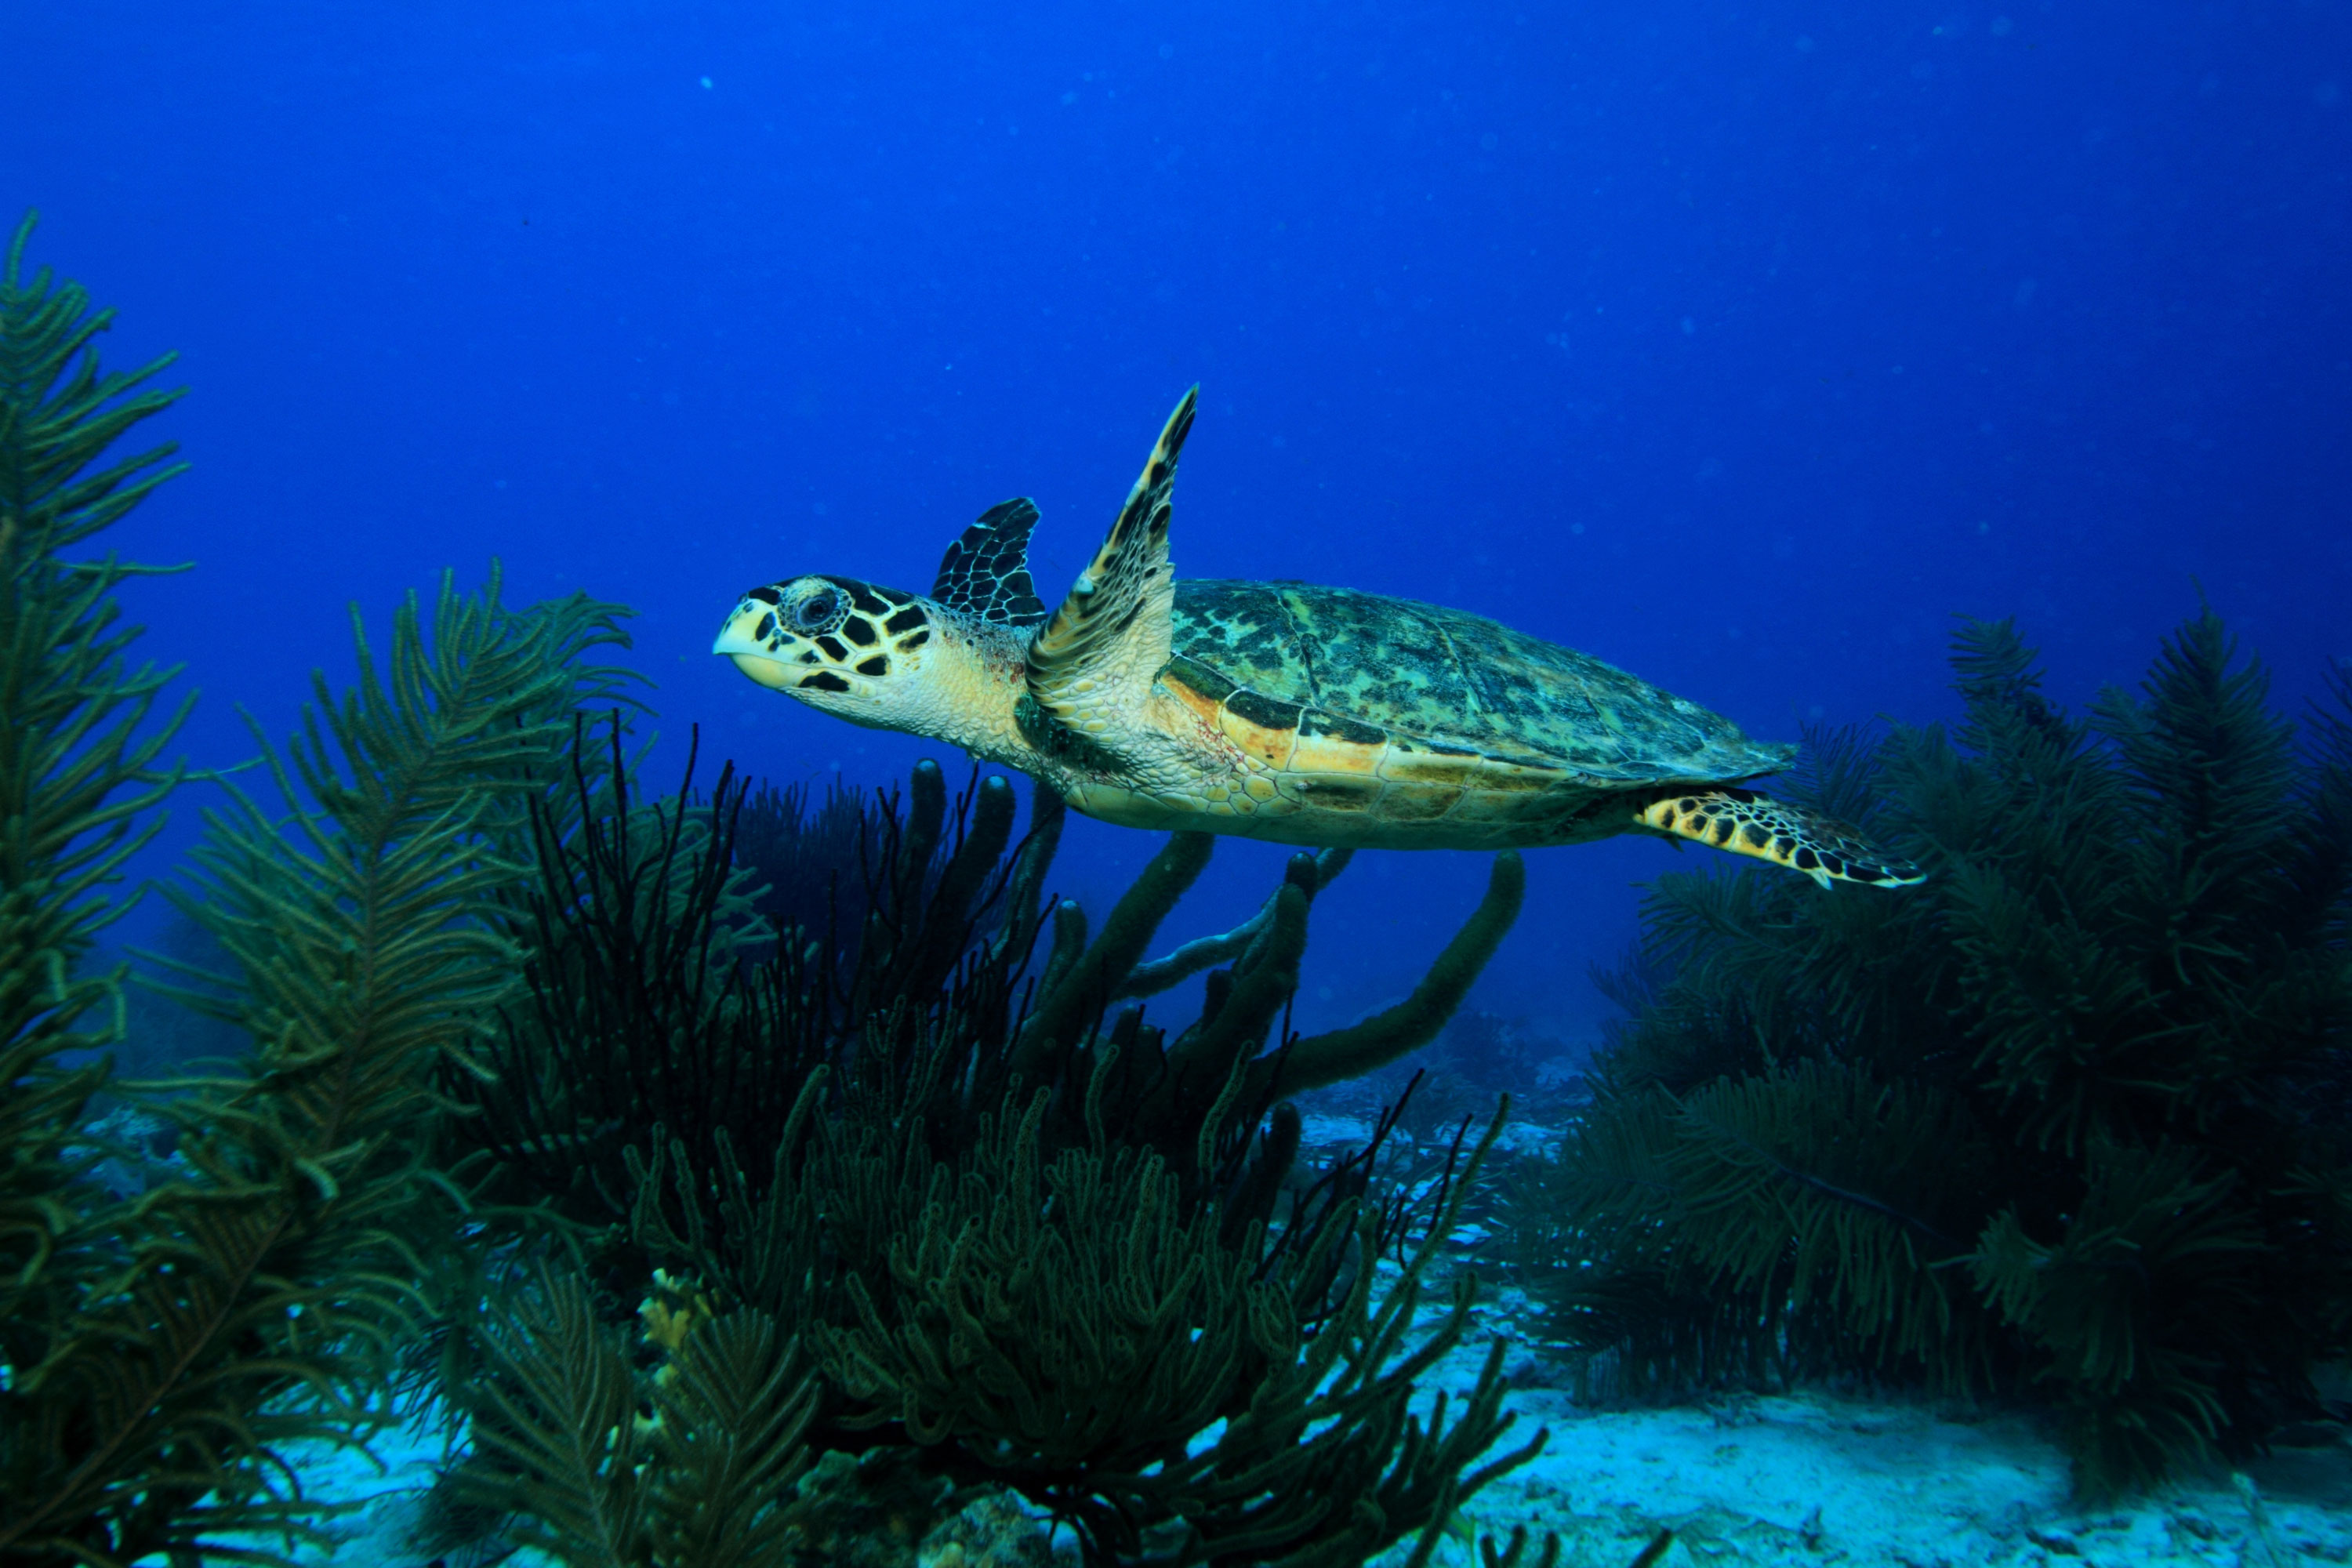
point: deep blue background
(1740, 344)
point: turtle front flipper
(986, 572)
(1746, 823)
(1092, 664)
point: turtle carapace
(1278, 711)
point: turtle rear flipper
(1092, 662)
(1746, 823)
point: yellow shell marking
(1281, 768)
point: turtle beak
(751, 656)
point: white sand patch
(1818, 1479)
(1813, 1478)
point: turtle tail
(1746, 823)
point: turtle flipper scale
(1091, 663)
(1746, 823)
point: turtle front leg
(1746, 823)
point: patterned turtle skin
(1289, 712)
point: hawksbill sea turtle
(1287, 711)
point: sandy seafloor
(1809, 1478)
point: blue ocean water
(1740, 344)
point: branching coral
(1092, 1211)
(2068, 1119)
(78, 785)
(78, 754)
(1073, 1329)
(256, 1302)
(165, 1350)
(705, 1480)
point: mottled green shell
(1422, 672)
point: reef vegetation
(746, 1176)
(713, 1159)
(2067, 1124)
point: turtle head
(877, 656)
(952, 666)
(835, 643)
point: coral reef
(162, 1345)
(78, 784)
(669, 1178)
(2069, 1121)
(1033, 1246)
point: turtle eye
(816, 610)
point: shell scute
(1339, 792)
(1407, 766)
(1325, 751)
(1419, 803)
(1267, 713)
